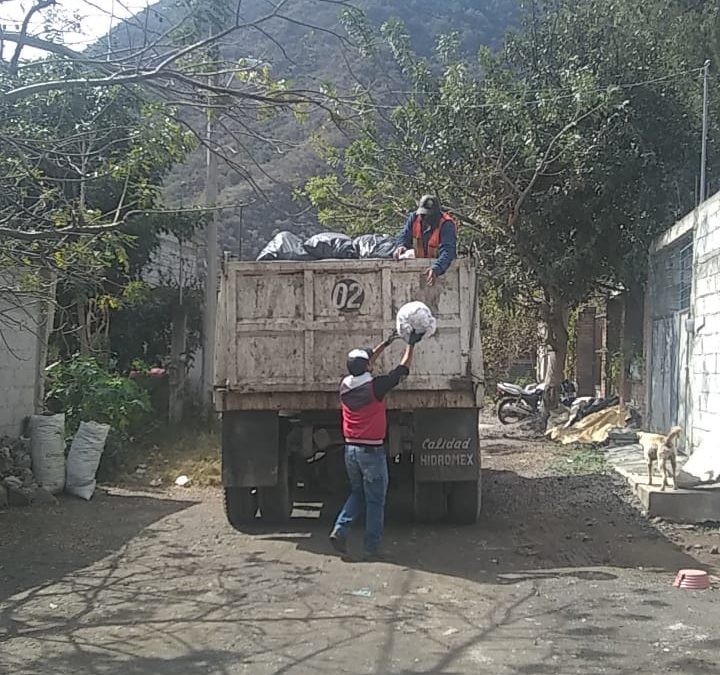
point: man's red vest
(433, 242)
(364, 419)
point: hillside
(275, 168)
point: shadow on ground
(547, 582)
(41, 544)
(529, 528)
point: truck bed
(284, 330)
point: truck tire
(464, 502)
(429, 503)
(240, 506)
(276, 502)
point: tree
(74, 169)
(67, 114)
(563, 154)
(86, 138)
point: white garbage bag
(47, 448)
(84, 458)
(415, 316)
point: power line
(551, 99)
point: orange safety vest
(433, 242)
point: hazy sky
(97, 17)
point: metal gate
(664, 391)
(669, 386)
(670, 289)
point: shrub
(86, 391)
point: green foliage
(580, 460)
(559, 159)
(314, 59)
(563, 154)
(79, 171)
(509, 332)
(86, 391)
(572, 343)
(82, 158)
(142, 327)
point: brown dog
(661, 449)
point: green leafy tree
(562, 154)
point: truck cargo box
(284, 330)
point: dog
(661, 449)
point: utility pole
(211, 251)
(240, 234)
(703, 160)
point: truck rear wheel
(464, 502)
(429, 503)
(240, 506)
(276, 502)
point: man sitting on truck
(364, 422)
(431, 233)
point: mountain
(280, 162)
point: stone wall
(18, 365)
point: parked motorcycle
(516, 404)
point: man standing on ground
(431, 233)
(364, 421)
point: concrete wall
(175, 264)
(693, 344)
(18, 365)
(585, 352)
(704, 346)
(180, 264)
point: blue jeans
(368, 473)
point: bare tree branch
(41, 5)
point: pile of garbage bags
(327, 246)
(597, 420)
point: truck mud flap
(446, 445)
(250, 447)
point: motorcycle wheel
(508, 413)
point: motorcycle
(515, 403)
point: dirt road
(561, 576)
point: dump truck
(284, 330)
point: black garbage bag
(284, 246)
(331, 245)
(375, 246)
(597, 405)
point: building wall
(180, 265)
(175, 264)
(667, 339)
(585, 350)
(18, 366)
(704, 372)
(682, 336)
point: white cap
(359, 354)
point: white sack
(84, 458)
(47, 448)
(415, 316)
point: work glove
(415, 337)
(391, 338)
